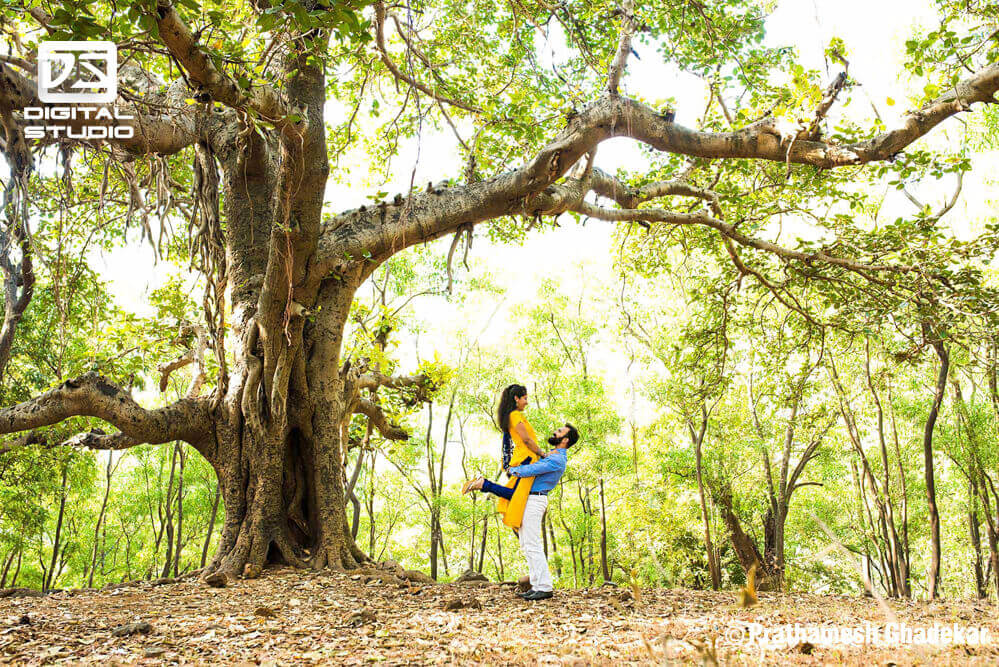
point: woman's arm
(531, 444)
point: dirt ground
(289, 617)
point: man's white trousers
(531, 544)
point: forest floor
(289, 617)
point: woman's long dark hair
(508, 403)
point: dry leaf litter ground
(290, 617)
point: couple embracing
(532, 473)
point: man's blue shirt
(546, 472)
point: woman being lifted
(520, 446)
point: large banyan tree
(242, 112)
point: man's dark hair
(573, 435)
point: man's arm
(549, 464)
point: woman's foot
(472, 485)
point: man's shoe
(538, 595)
(523, 594)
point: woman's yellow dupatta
(513, 509)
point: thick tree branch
(42, 17)
(378, 419)
(162, 122)
(23, 440)
(763, 139)
(196, 353)
(616, 70)
(92, 395)
(608, 186)
(92, 439)
(380, 231)
(812, 131)
(98, 439)
(374, 380)
(798, 486)
(219, 87)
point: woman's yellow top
(520, 450)
(513, 509)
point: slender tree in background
(935, 340)
(697, 374)
(109, 472)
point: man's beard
(554, 440)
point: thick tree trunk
(284, 489)
(283, 503)
(278, 434)
(745, 547)
(773, 546)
